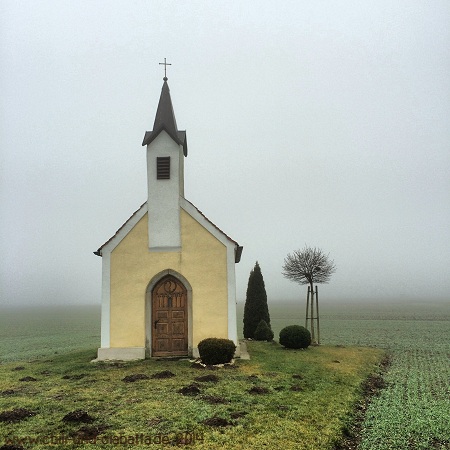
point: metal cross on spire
(165, 64)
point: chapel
(168, 273)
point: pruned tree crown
(308, 266)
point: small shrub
(216, 351)
(295, 336)
(263, 332)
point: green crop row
(413, 412)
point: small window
(163, 168)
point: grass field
(30, 333)
(412, 412)
(290, 399)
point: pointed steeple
(165, 120)
(165, 117)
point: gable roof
(165, 120)
(138, 214)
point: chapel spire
(166, 149)
(165, 118)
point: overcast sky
(309, 122)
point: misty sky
(309, 122)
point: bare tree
(309, 266)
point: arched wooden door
(169, 318)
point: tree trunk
(317, 312)
(307, 308)
(312, 314)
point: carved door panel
(169, 317)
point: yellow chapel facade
(168, 274)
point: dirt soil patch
(258, 390)
(78, 416)
(135, 377)
(155, 421)
(296, 388)
(19, 368)
(371, 387)
(206, 378)
(163, 374)
(16, 415)
(11, 447)
(438, 444)
(87, 432)
(28, 379)
(7, 392)
(191, 390)
(238, 414)
(217, 422)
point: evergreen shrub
(263, 332)
(216, 351)
(256, 308)
(295, 336)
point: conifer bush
(256, 308)
(263, 332)
(295, 336)
(216, 351)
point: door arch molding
(148, 308)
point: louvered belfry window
(163, 168)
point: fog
(320, 123)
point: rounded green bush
(295, 336)
(216, 351)
(263, 332)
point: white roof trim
(205, 223)
(188, 207)
(124, 230)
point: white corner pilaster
(106, 300)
